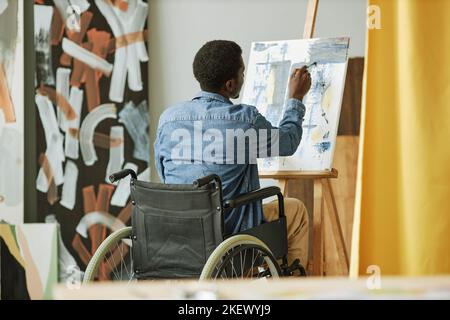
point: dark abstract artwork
(91, 99)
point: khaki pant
(297, 227)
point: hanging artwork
(91, 98)
(11, 111)
(29, 260)
(269, 68)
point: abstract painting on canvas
(92, 109)
(266, 87)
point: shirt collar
(213, 96)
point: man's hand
(299, 83)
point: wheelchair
(178, 232)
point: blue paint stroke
(322, 147)
(261, 46)
(325, 51)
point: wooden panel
(318, 229)
(351, 103)
(336, 227)
(345, 161)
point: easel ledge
(332, 174)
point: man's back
(211, 135)
(192, 143)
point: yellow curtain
(402, 212)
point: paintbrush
(310, 65)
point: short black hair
(217, 62)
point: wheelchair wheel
(241, 256)
(113, 259)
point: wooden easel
(322, 192)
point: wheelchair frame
(265, 237)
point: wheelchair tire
(233, 245)
(105, 247)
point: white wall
(178, 28)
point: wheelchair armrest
(256, 195)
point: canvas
(266, 87)
(29, 260)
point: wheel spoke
(261, 263)
(123, 255)
(121, 260)
(111, 264)
(114, 264)
(242, 271)
(232, 267)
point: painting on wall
(266, 87)
(29, 260)
(91, 97)
(11, 111)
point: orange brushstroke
(52, 193)
(104, 195)
(83, 253)
(92, 88)
(121, 4)
(104, 141)
(78, 73)
(89, 202)
(6, 103)
(59, 101)
(45, 165)
(105, 192)
(125, 214)
(100, 140)
(77, 37)
(57, 28)
(75, 133)
(126, 40)
(89, 199)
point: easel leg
(310, 21)
(283, 184)
(336, 225)
(318, 228)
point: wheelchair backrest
(175, 228)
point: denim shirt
(187, 129)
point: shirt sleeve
(284, 139)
